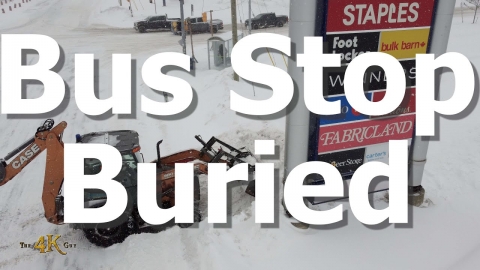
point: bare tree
(472, 5)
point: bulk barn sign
(351, 28)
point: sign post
(350, 139)
(249, 17)
(211, 22)
(438, 46)
(302, 24)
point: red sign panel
(348, 15)
(407, 106)
(358, 134)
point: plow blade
(251, 188)
(3, 171)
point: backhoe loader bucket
(230, 155)
(251, 188)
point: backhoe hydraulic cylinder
(19, 149)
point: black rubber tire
(215, 30)
(255, 26)
(279, 24)
(196, 208)
(100, 238)
(142, 29)
(107, 237)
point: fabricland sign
(401, 29)
(344, 143)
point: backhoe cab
(127, 143)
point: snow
(442, 235)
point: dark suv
(198, 26)
(154, 23)
(265, 20)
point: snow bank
(442, 236)
(20, 16)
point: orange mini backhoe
(49, 137)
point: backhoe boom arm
(46, 137)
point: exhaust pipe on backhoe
(158, 151)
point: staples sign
(378, 14)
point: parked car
(217, 22)
(154, 23)
(265, 20)
(198, 26)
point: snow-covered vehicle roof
(123, 140)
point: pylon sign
(351, 28)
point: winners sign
(351, 28)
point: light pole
(182, 17)
(249, 17)
(211, 22)
(131, 11)
(233, 4)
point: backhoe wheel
(141, 29)
(105, 237)
(196, 208)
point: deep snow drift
(442, 235)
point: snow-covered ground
(442, 236)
